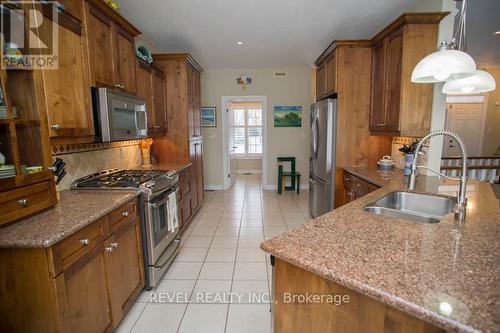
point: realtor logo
(29, 33)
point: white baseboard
(256, 171)
(213, 187)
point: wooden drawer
(122, 215)
(184, 184)
(70, 249)
(25, 201)
(185, 211)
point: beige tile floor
(220, 280)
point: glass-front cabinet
(26, 180)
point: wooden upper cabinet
(197, 103)
(66, 89)
(160, 101)
(99, 34)
(378, 117)
(125, 61)
(151, 87)
(321, 81)
(145, 90)
(326, 77)
(398, 106)
(111, 47)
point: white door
(231, 147)
(467, 120)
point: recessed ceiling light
(496, 33)
(239, 43)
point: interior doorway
(465, 115)
(244, 137)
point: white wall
(295, 89)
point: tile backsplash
(80, 164)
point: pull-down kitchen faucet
(461, 199)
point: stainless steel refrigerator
(322, 158)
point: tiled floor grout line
(201, 268)
(236, 254)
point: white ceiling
(276, 33)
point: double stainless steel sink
(411, 206)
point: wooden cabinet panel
(394, 56)
(197, 103)
(331, 74)
(66, 92)
(321, 84)
(99, 35)
(190, 102)
(359, 315)
(160, 103)
(193, 179)
(145, 90)
(125, 61)
(124, 267)
(186, 211)
(377, 116)
(82, 294)
(198, 146)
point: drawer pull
(109, 249)
(23, 202)
(56, 126)
(84, 242)
(125, 214)
(114, 245)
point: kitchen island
(400, 276)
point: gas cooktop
(117, 179)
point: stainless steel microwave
(118, 116)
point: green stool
(294, 175)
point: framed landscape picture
(209, 116)
(287, 116)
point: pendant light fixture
(480, 82)
(453, 65)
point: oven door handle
(163, 201)
(159, 203)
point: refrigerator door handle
(316, 139)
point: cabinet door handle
(109, 249)
(23, 202)
(125, 214)
(56, 126)
(114, 245)
(380, 124)
(84, 242)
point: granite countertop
(74, 211)
(425, 270)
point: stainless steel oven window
(159, 214)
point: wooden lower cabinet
(186, 209)
(359, 314)
(124, 268)
(355, 187)
(103, 276)
(82, 295)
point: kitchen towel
(172, 219)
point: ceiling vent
(280, 74)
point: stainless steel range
(160, 212)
